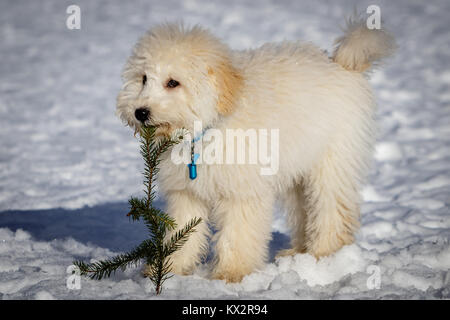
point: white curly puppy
(323, 107)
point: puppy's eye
(144, 79)
(172, 83)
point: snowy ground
(62, 148)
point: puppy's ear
(228, 82)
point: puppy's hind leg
(294, 203)
(244, 233)
(332, 194)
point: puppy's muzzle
(142, 114)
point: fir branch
(101, 269)
(159, 272)
(137, 208)
(152, 215)
(154, 250)
(180, 237)
(160, 216)
(151, 151)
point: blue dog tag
(192, 171)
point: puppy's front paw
(229, 275)
(183, 263)
(288, 252)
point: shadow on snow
(104, 225)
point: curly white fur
(323, 108)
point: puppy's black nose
(142, 114)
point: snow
(68, 166)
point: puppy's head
(176, 76)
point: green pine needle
(180, 237)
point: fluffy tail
(360, 48)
